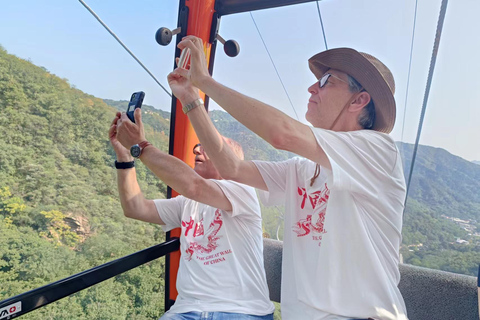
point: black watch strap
(124, 165)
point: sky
(63, 37)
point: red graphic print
(188, 225)
(318, 226)
(206, 244)
(318, 201)
(316, 198)
(198, 229)
(302, 192)
(302, 227)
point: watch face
(135, 151)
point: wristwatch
(136, 149)
(192, 105)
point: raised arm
(274, 126)
(174, 172)
(133, 202)
(227, 163)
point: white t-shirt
(342, 235)
(221, 265)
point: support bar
(224, 7)
(36, 298)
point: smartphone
(184, 58)
(135, 102)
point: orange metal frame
(199, 24)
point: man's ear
(363, 98)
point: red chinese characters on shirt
(204, 244)
(317, 200)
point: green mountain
(444, 182)
(59, 207)
(442, 191)
(60, 213)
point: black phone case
(135, 102)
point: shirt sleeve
(362, 161)
(275, 176)
(170, 211)
(243, 198)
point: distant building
(461, 241)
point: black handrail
(36, 298)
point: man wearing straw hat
(343, 199)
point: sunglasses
(323, 80)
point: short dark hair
(366, 119)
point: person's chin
(307, 116)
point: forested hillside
(444, 188)
(60, 214)
(445, 183)
(59, 209)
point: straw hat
(372, 74)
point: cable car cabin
(428, 294)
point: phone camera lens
(133, 96)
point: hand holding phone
(135, 102)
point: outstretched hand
(182, 88)
(129, 133)
(198, 71)
(123, 154)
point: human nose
(313, 88)
(198, 150)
